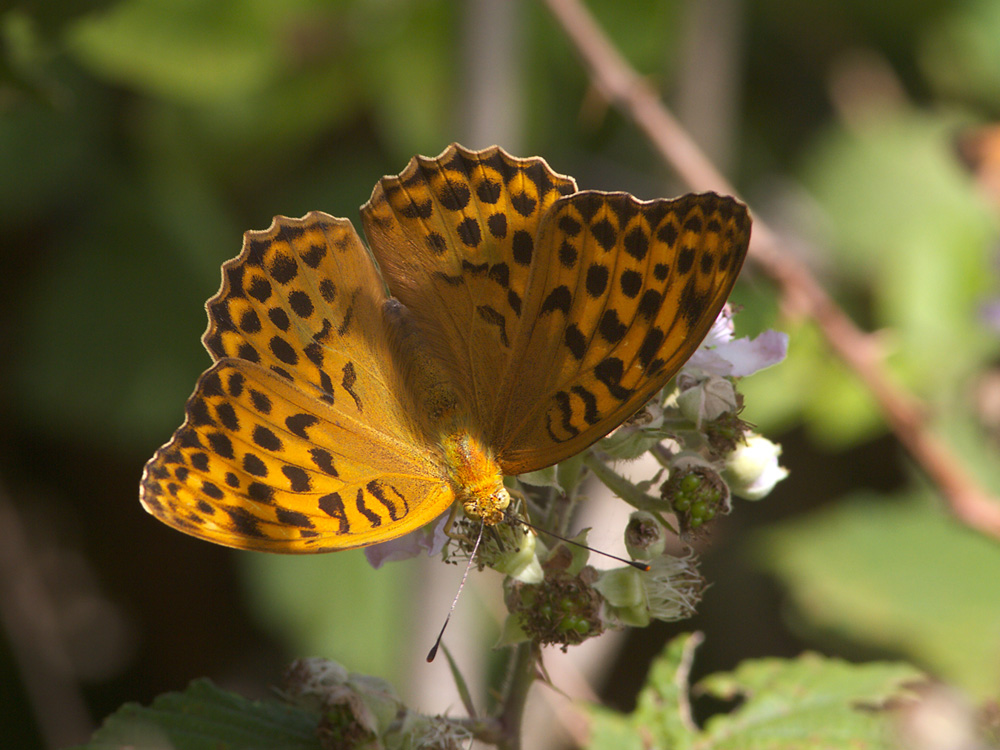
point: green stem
(520, 676)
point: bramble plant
(553, 595)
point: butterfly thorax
(475, 477)
(471, 468)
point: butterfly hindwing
(622, 293)
(296, 440)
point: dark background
(139, 139)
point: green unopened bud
(625, 596)
(644, 536)
(695, 492)
(669, 591)
(752, 469)
(520, 562)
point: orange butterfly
(501, 322)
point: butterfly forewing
(297, 440)
(455, 239)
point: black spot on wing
(605, 234)
(469, 232)
(323, 461)
(609, 371)
(590, 413)
(292, 518)
(348, 381)
(390, 497)
(254, 466)
(597, 279)
(631, 283)
(298, 479)
(559, 298)
(333, 506)
(495, 319)
(611, 328)
(244, 523)
(221, 444)
(266, 439)
(575, 341)
(298, 423)
(283, 268)
(565, 410)
(373, 518)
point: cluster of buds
(362, 711)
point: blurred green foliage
(139, 138)
(932, 595)
(808, 703)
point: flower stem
(520, 676)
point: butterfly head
(489, 504)
(475, 477)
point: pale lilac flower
(430, 538)
(989, 312)
(721, 354)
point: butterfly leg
(450, 523)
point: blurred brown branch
(801, 293)
(30, 622)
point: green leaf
(896, 574)
(204, 717)
(460, 683)
(541, 478)
(793, 704)
(961, 54)
(661, 715)
(621, 486)
(190, 52)
(570, 473)
(807, 702)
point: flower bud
(695, 492)
(752, 469)
(625, 597)
(519, 560)
(708, 399)
(644, 536)
(669, 591)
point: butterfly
(501, 321)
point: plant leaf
(807, 703)
(204, 717)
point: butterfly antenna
(644, 567)
(472, 558)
